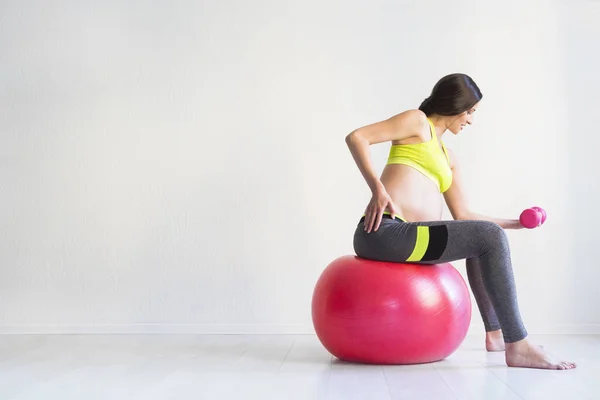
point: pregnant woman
(402, 222)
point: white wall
(580, 145)
(182, 167)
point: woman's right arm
(401, 126)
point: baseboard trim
(150, 328)
(240, 329)
(564, 329)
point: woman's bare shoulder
(413, 126)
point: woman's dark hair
(452, 95)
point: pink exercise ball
(377, 312)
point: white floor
(273, 367)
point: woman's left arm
(457, 202)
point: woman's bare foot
(527, 355)
(494, 341)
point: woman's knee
(491, 228)
(494, 233)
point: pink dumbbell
(541, 210)
(532, 217)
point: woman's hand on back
(380, 202)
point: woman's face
(462, 120)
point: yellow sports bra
(427, 158)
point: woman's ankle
(494, 340)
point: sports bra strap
(446, 153)
(432, 129)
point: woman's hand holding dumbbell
(533, 217)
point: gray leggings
(483, 244)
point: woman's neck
(440, 123)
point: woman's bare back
(415, 196)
